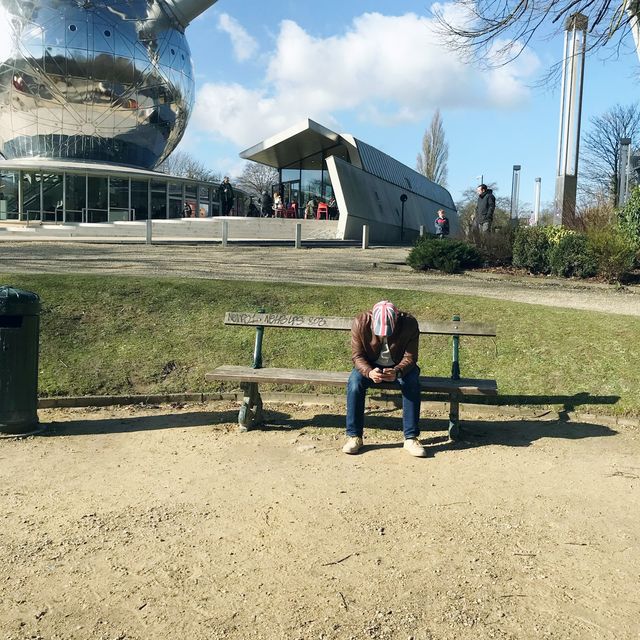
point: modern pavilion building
(370, 187)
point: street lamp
(515, 193)
(575, 45)
(403, 199)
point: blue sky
(377, 70)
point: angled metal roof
(300, 141)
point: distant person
(384, 348)
(442, 225)
(267, 205)
(485, 208)
(187, 211)
(333, 208)
(225, 196)
(252, 211)
(310, 209)
(278, 207)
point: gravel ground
(377, 267)
(133, 523)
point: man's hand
(379, 375)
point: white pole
(298, 242)
(365, 236)
(536, 201)
(149, 230)
(225, 232)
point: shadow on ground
(475, 433)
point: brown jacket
(403, 343)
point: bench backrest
(289, 321)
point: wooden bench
(250, 415)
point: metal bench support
(250, 414)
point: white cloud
(387, 69)
(244, 46)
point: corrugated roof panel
(384, 166)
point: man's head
(384, 317)
(226, 179)
(482, 188)
(441, 213)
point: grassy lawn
(114, 335)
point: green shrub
(450, 256)
(572, 256)
(495, 248)
(555, 233)
(614, 252)
(629, 222)
(530, 249)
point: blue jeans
(357, 389)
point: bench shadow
(137, 423)
(474, 433)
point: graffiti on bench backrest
(275, 319)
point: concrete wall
(183, 229)
(364, 199)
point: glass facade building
(75, 193)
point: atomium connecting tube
(185, 11)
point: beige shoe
(413, 446)
(352, 445)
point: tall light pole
(536, 201)
(624, 167)
(515, 193)
(575, 39)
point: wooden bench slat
(336, 323)
(466, 386)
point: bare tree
(432, 162)
(600, 161)
(184, 165)
(497, 32)
(257, 178)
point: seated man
(384, 347)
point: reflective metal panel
(95, 80)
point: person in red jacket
(442, 225)
(384, 348)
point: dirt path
(379, 267)
(136, 523)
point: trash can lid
(18, 302)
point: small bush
(572, 256)
(530, 249)
(614, 252)
(629, 222)
(450, 256)
(495, 248)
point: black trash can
(19, 336)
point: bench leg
(454, 417)
(250, 414)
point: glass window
(97, 194)
(8, 195)
(139, 199)
(31, 195)
(76, 197)
(311, 178)
(175, 207)
(290, 175)
(190, 191)
(118, 199)
(158, 205)
(175, 189)
(52, 197)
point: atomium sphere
(107, 81)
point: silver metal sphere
(99, 80)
